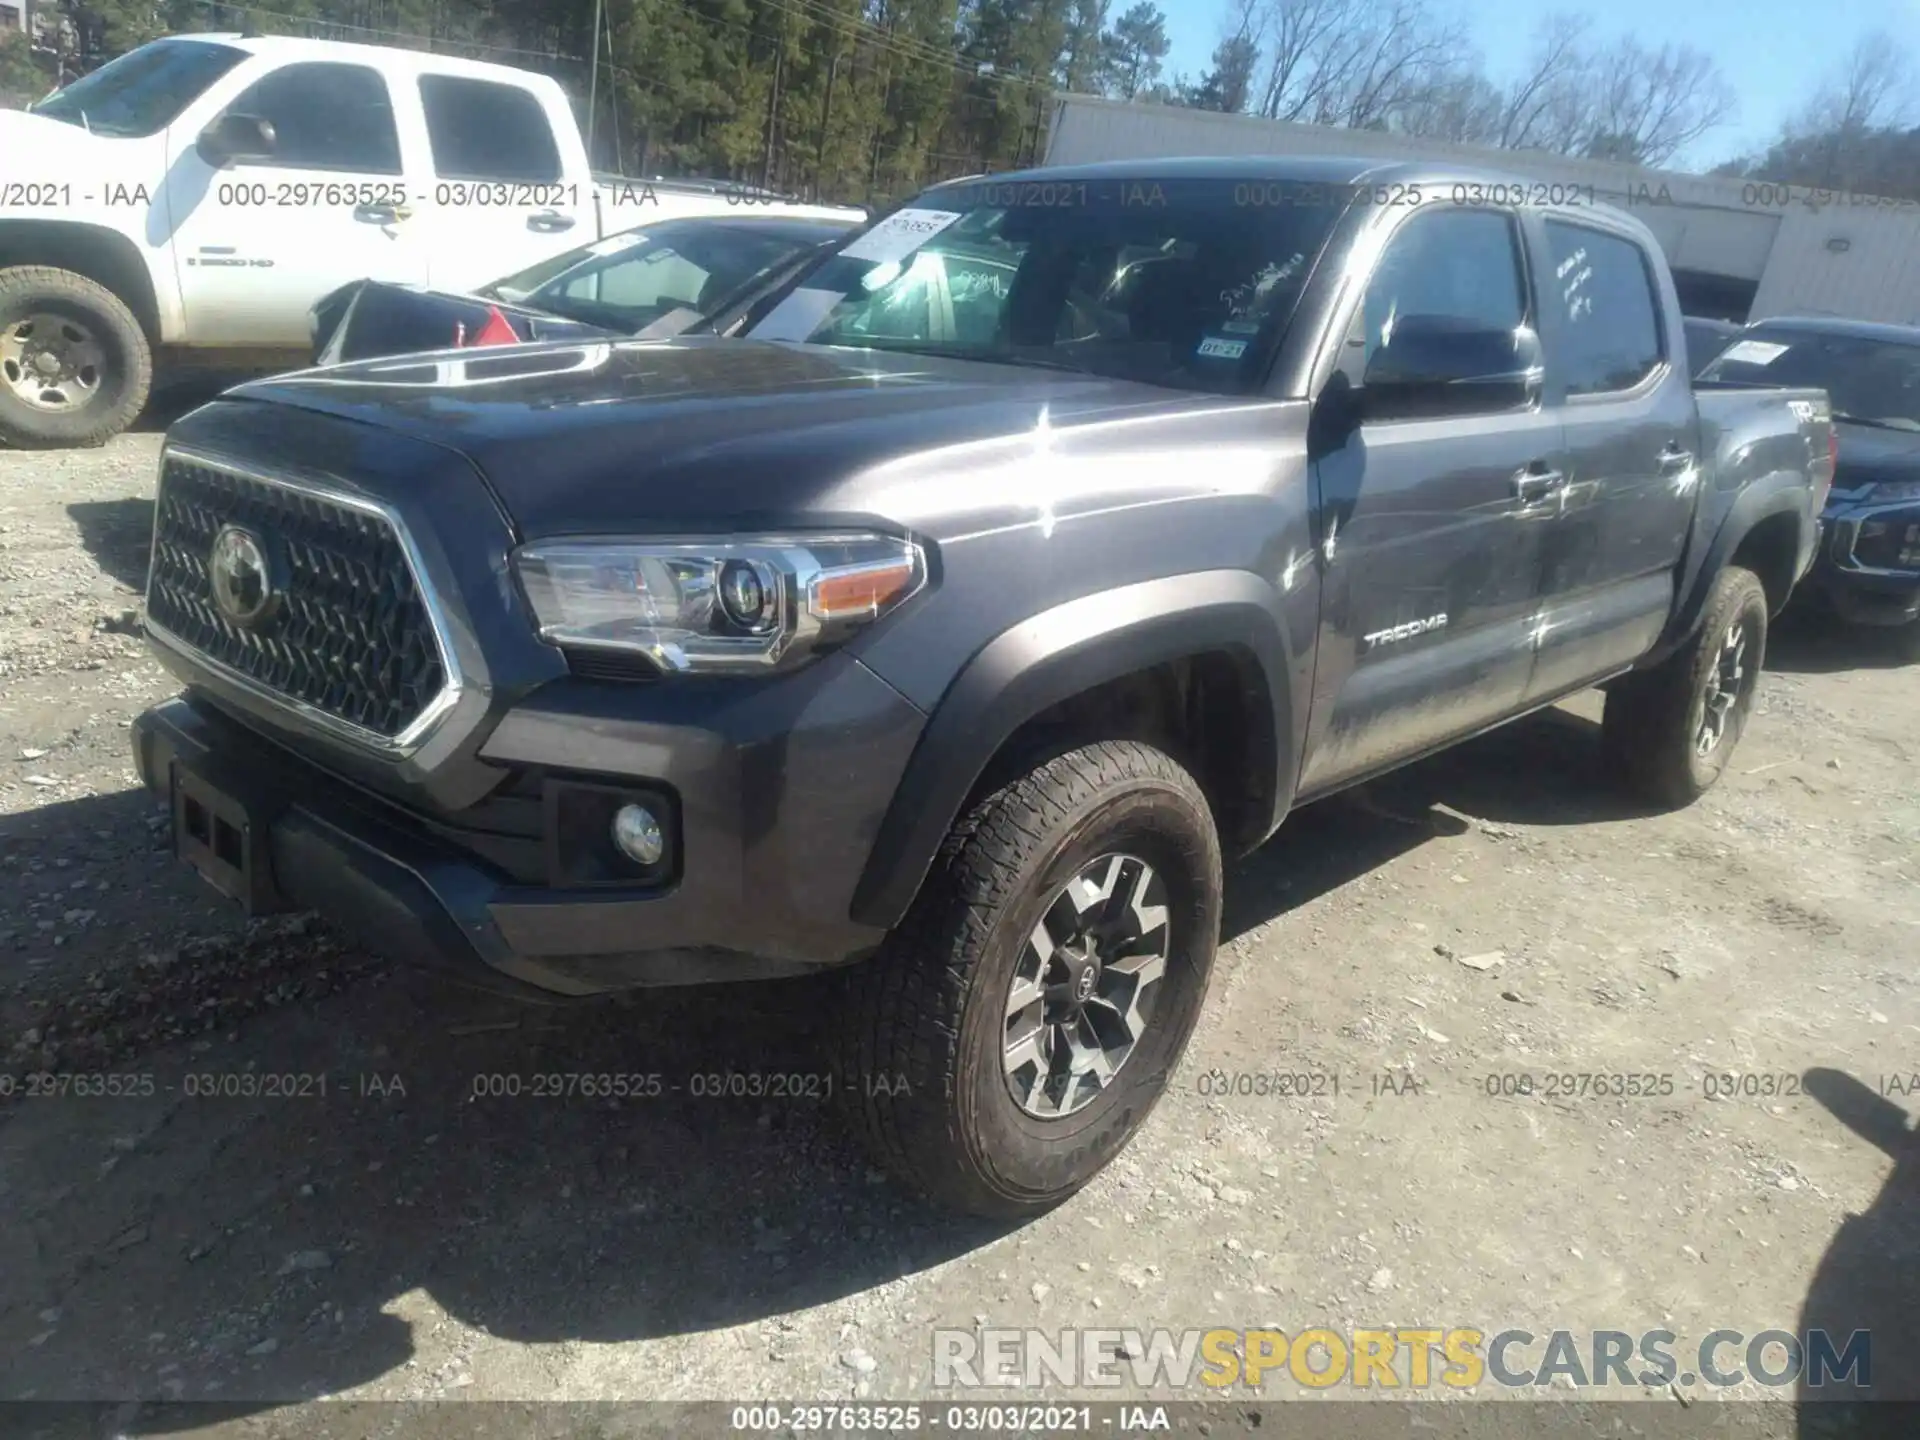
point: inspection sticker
(1222, 349)
(1754, 352)
(901, 233)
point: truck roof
(1328, 170)
(1307, 169)
(393, 59)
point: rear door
(257, 243)
(1430, 545)
(1612, 550)
(500, 196)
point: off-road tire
(924, 1022)
(1652, 720)
(127, 374)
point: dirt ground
(1493, 912)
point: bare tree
(1873, 89)
(1543, 107)
(1649, 105)
(1358, 63)
(1462, 107)
(1399, 65)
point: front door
(256, 243)
(1610, 555)
(1430, 529)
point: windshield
(143, 91)
(629, 280)
(1187, 283)
(1871, 382)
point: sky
(1772, 52)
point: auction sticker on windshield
(1754, 352)
(900, 234)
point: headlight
(1885, 491)
(744, 604)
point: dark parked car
(1869, 567)
(1707, 338)
(674, 276)
(963, 619)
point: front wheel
(1670, 731)
(75, 366)
(1020, 1024)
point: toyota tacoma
(1031, 554)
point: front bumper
(747, 899)
(1851, 574)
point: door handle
(1531, 484)
(548, 221)
(381, 214)
(1674, 458)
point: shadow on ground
(432, 1150)
(1809, 639)
(118, 535)
(1869, 1278)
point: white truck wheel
(75, 366)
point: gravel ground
(1491, 912)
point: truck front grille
(342, 631)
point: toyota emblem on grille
(242, 583)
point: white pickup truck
(193, 198)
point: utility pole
(826, 113)
(593, 76)
(773, 111)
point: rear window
(483, 130)
(1607, 308)
(1870, 381)
(1183, 283)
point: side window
(1605, 302)
(483, 130)
(1460, 265)
(326, 116)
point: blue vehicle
(1868, 570)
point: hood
(1869, 453)
(68, 154)
(690, 434)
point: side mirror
(1439, 365)
(236, 137)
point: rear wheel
(75, 366)
(1020, 1024)
(1670, 731)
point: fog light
(638, 834)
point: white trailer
(1740, 250)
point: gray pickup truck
(1037, 550)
